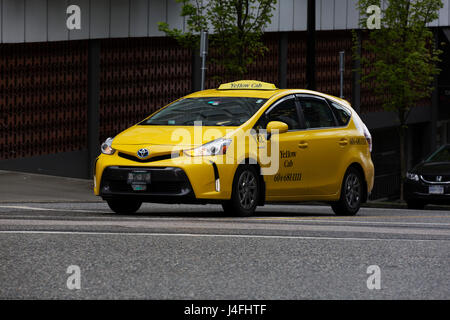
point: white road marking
(212, 235)
(47, 209)
(26, 208)
(351, 221)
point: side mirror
(276, 125)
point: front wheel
(245, 192)
(351, 194)
(124, 206)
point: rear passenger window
(342, 114)
(317, 113)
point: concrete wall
(45, 20)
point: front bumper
(419, 190)
(172, 180)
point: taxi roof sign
(247, 85)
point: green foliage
(236, 28)
(406, 57)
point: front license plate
(435, 189)
(139, 178)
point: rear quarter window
(342, 113)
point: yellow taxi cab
(241, 145)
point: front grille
(433, 178)
(151, 159)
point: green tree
(405, 58)
(236, 28)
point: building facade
(75, 72)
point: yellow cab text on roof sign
(247, 85)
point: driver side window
(285, 111)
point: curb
(393, 205)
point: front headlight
(212, 148)
(106, 147)
(412, 176)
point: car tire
(351, 194)
(415, 204)
(124, 206)
(245, 192)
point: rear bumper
(370, 176)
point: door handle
(303, 144)
(343, 142)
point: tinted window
(341, 113)
(317, 113)
(285, 111)
(220, 111)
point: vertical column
(311, 47)
(410, 146)
(196, 72)
(282, 59)
(93, 102)
(356, 76)
(434, 102)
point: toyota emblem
(142, 153)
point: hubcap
(352, 190)
(247, 189)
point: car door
(285, 183)
(322, 145)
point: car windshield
(221, 111)
(441, 155)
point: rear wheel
(245, 192)
(415, 204)
(124, 206)
(351, 194)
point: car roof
(264, 94)
(258, 89)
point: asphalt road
(195, 252)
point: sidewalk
(28, 187)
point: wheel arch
(357, 166)
(254, 163)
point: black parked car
(429, 181)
